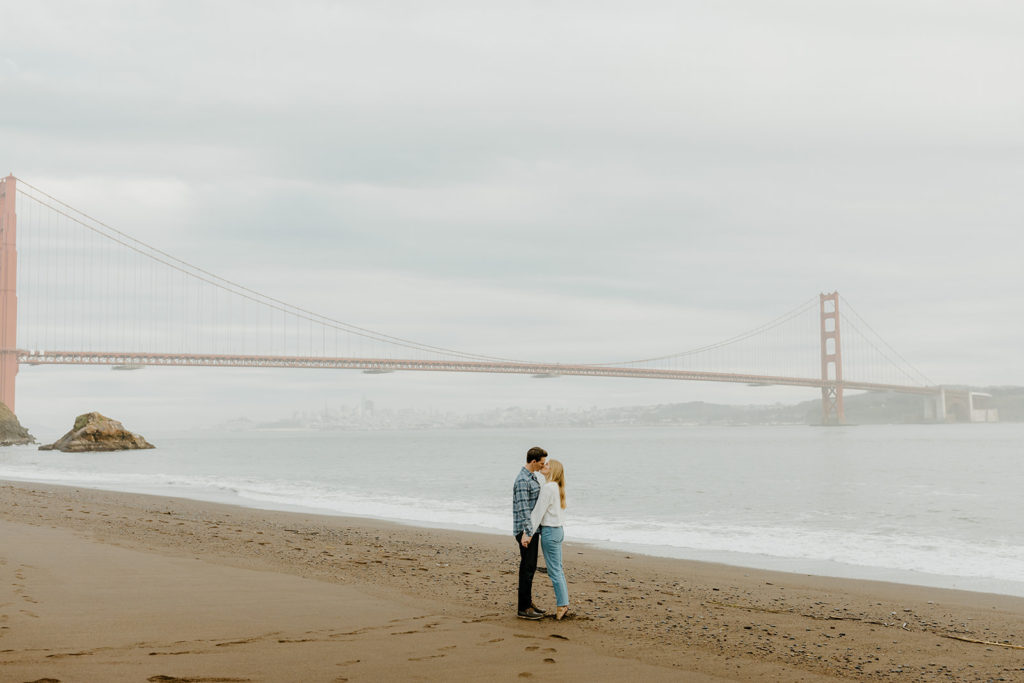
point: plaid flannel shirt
(524, 496)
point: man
(524, 496)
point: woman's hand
(526, 540)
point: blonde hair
(557, 475)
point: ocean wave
(802, 539)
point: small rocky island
(11, 431)
(95, 432)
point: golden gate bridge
(76, 291)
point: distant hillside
(864, 408)
(860, 409)
(873, 408)
(894, 408)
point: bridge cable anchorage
(771, 324)
(914, 375)
(239, 289)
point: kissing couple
(538, 512)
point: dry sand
(101, 586)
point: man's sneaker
(537, 609)
(531, 614)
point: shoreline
(736, 559)
(660, 616)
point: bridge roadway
(384, 365)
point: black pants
(527, 568)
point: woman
(549, 514)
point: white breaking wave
(934, 555)
(905, 512)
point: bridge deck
(395, 364)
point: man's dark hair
(535, 454)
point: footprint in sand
(549, 660)
(236, 642)
(525, 674)
(195, 679)
(531, 648)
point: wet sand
(102, 586)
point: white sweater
(548, 510)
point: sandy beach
(102, 586)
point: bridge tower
(8, 291)
(831, 361)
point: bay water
(937, 505)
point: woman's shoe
(562, 613)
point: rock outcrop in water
(95, 432)
(11, 431)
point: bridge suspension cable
(772, 324)
(93, 288)
(900, 367)
(188, 269)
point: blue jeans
(551, 543)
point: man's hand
(526, 540)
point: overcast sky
(550, 180)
